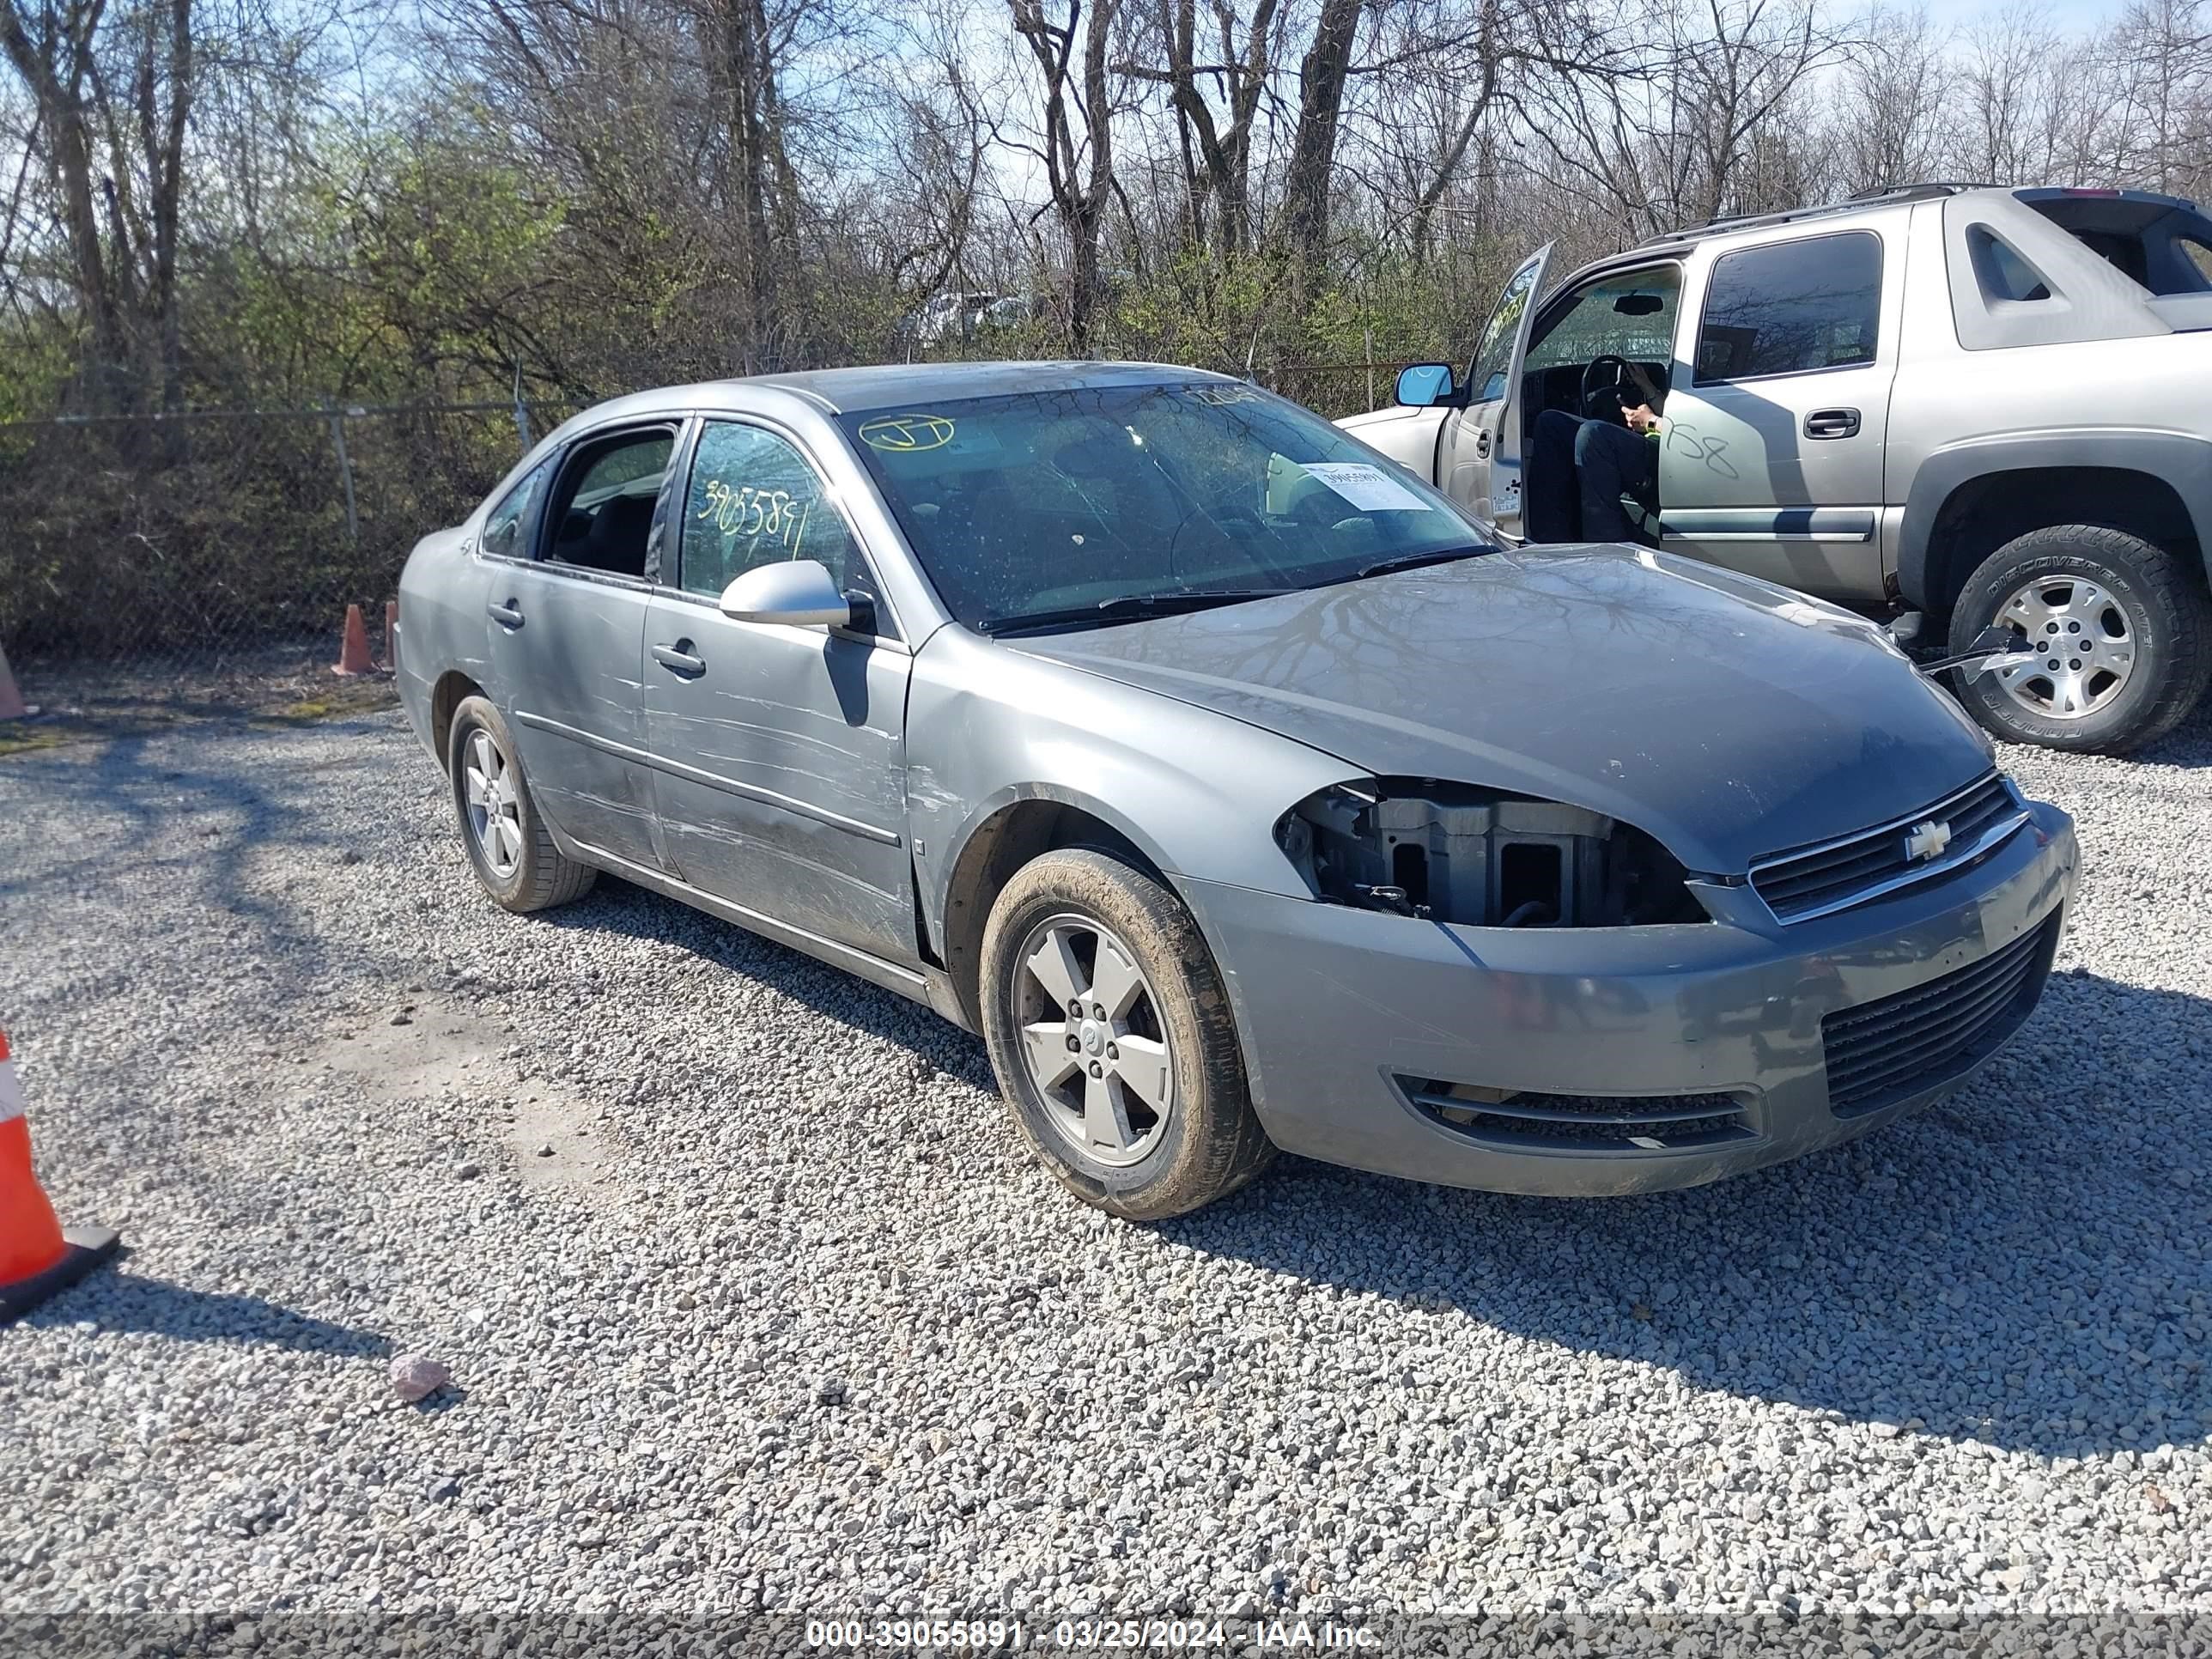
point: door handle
(507, 616)
(1833, 423)
(1482, 443)
(677, 658)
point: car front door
(1771, 459)
(565, 626)
(779, 752)
(1479, 453)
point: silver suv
(1979, 404)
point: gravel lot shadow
(2189, 746)
(168, 809)
(116, 1300)
(616, 906)
(2024, 1265)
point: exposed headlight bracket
(1452, 852)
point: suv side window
(2000, 269)
(753, 500)
(1791, 308)
(510, 526)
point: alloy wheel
(495, 806)
(2085, 649)
(1092, 1039)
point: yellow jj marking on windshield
(907, 433)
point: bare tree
(1232, 62)
(112, 94)
(1072, 53)
(1670, 141)
(1322, 76)
(1891, 113)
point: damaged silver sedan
(1232, 783)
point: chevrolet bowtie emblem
(1927, 841)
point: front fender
(2178, 459)
(1198, 793)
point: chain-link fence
(208, 533)
(219, 550)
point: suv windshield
(1098, 503)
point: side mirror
(800, 592)
(1424, 384)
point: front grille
(1820, 880)
(1588, 1123)
(1882, 1051)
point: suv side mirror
(1424, 384)
(799, 592)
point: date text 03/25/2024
(1015, 1635)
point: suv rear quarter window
(1791, 308)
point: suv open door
(1479, 451)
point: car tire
(2160, 614)
(1180, 1130)
(519, 864)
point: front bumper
(1337, 1007)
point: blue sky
(2068, 15)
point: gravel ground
(751, 1302)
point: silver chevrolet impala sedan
(1232, 781)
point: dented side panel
(780, 772)
(991, 725)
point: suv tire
(2145, 625)
(517, 864)
(1140, 1108)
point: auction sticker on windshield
(1367, 487)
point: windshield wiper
(1415, 561)
(1128, 606)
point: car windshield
(1095, 503)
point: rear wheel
(2123, 638)
(1111, 1036)
(508, 843)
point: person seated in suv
(1579, 468)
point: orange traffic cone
(38, 1256)
(12, 705)
(353, 654)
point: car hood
(1728, 717)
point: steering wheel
(1604, 401)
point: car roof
(887, 385)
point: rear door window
(1791, 308)
(510, 526)
(603, 510)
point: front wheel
(2123, 638)
(1111, 1035)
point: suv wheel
(2123, 638)
(507, 840)
(1110, 1032)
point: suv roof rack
(1888, 196)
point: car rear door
(1770, 461)
(566, 637)
(1479, 453)
(779, 752)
